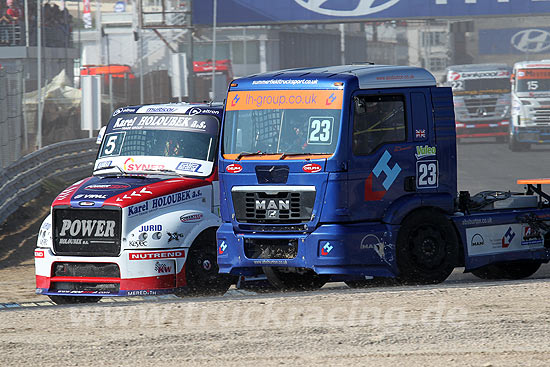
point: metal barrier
(21, 181)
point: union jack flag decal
(420, 134)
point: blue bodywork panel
(356, 201)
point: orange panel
(534, 181)
(274, 157)
(285, 99)
(533, 74)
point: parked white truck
(530, 104)
(145, 222)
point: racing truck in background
(145, 222)
(530, 104)
(481, 100)
(350, 172)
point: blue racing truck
(350, 172)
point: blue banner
(243, 12)
(526, 41)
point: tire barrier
(21, 181)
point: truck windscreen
(290, 122)
(481, 86)
(179, 136)
(533, 80)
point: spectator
(13, 12)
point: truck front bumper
(533, 135)
(351, 250)
(480, 130)
(133, 273)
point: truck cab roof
(367, 76)
(180, 108)
(478, 67)
(542, 64)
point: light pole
(214, 11)
(39, 73)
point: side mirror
(100, 135)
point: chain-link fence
(11, 115)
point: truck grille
(270, 248)
(542, 116)
(101, 270)
(481, 107)
(274, 206)
(87, 232)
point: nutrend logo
(364, 7)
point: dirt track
(481, 324)
(452, 324)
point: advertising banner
(526, 41)
(87, 14)
(242, 12)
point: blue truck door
(393, 150)
(380, 149)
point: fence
(11, 115)
(21, 181)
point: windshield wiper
(161, 170)
(284, 155)
(244, 154)
(109, 167)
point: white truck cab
(530, 122)
(145, 222)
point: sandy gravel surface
(475, 324)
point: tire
(201, 269)
(501, 139)
(71, 300)
(507, 270)
(294, 279)
(516, 146)
(427, 248)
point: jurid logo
(363, 7)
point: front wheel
(507, 270)
(427, 248)
(71, 300)
(516, 146)
(201, 269)
(294, 279)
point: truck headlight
(44, 238)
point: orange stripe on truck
(284, 99)
(533, 74)
(274, 157)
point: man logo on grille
(272, 205)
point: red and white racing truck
(145, 222)
(481, 94)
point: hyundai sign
(242, 12)
(507, 41)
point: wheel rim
(426, 247)
(204, 267)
